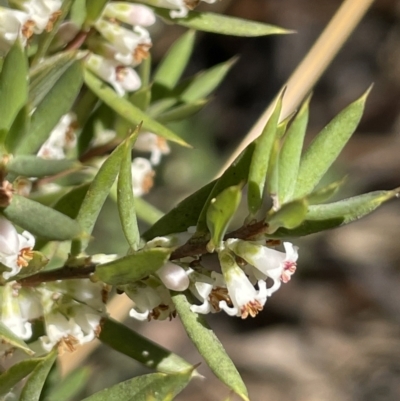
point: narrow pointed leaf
(133, 267)
(160, 106)
(41, 220)
(125, 198)
(222, 24)
(141, 98)
(34, 385)
(58, 102)
(182, 216)
(96, 195)
(43, 76)
(331, 215)
(220, 212)
(121, 338)
(325, 193)
(181, 112)
(327, 146)
(127, 110)
(235, 174)
(18, 130)
(290, 215)
(16, 373)
(8, 337)
(94, 9)
(171, 67)
(70, 203)
(290, 154)
(205, 82)
(33, 166)
(151, 387)
(13, 86)
(209, 346)
(144, 71)
(260, 160)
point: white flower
(170, 241)
(123, 79)
(279, 266)
(183, 6)
(133, 46)
(149, 142)
(15, 249)
(142, 176)
(246, 300)
(13, 24)
(150, 301)
(61, 138)
(174, 277)
(132, 14)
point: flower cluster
(239, 290)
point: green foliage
(8, 337)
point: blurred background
(333, 332)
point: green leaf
(260, 160)
(235, 174)
(70, 386)
(16, 373)
(222, 24)
(125, 198)
(160, 106)
(8, 337)
(151, 387)
(220, 212)
(290, 154)
(44, 76)
(41, 220)
(209, 346)
(141, 98)
(127, 110)
(202, 84)
(133, 267)
(96, 195)
(13, 86)
(94, 9)
(325, 193)
(182, 216)
(33, 166)
(144, 71)
(121, 338)
(18, 130)
(173, 64)
(181, 112)
(57, 102)
(331, 215)
(33, 387)
(290, 215)
(327, 146)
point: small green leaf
(8, 337)
(325, 193)
(181, 112)
(220, 213)
(151, 387)
(94, 9)
(327, 146)
(235, 174)
(141, 98)
(331, 215)
(260, 160)
(57, 102)
(16, 373)
(202, 84)
(160, 106)
(33, 166)
(290, 215)
(144, 70)
(173, 64)
(290, 154)
(34, 385)
(41, 220)
(127, 110)
(222, 24)
(150, 354)
(18, 130)
(209, 346)
(125, 198)
(13, 85)
(133, 267)
(44, 76)
(96, 195)
(182, 216)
